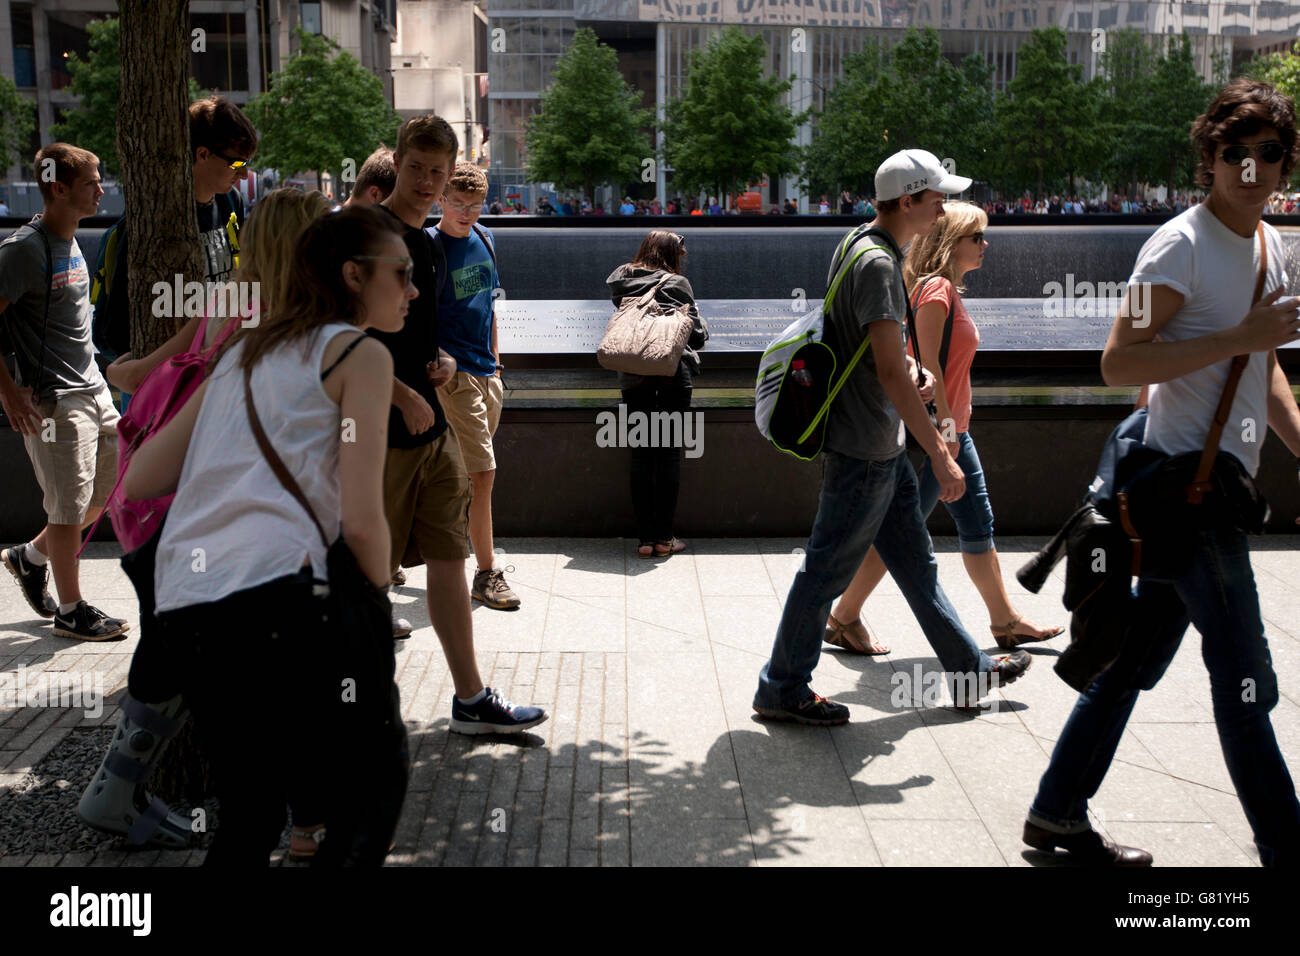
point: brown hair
(378, 170)
(661, 249)
(219, 125)
(429, 134)
(1243, 108)
(468, 178)
(315, 293)
(930, 253)
(69, 163)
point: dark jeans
(1217, 594)
(863, 502)
(248, 669)
(656, 472)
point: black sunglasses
(232, 163)
(977, 236)
(1270, 152)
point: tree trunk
(153, 149)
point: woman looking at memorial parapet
(656, 472)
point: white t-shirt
(1214, 269)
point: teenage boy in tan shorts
(467, 330)
(60, 403)
(426, 490)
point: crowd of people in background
(850, 204)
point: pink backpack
(160, 396)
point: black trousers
(656, 472)
(262, 698)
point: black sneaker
(817, 711)
(493, 715)
(88, 623)
(34, 579)
(1010, 667)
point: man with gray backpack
(869, 491)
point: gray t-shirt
(69, 356)
(863, 422)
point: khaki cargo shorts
(75, 454)
(473, 406)
(426, 500)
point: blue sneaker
(493, 715)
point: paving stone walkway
(653, 755)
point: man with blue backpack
(869, 490)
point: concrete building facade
(811, 38)
(245, 41)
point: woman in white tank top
(238, 555)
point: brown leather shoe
(1088, 848)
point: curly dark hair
(1243, 108)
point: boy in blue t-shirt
(467, 330)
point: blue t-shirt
(465, 305)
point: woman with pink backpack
(275, 456)
(152, 713)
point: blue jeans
(862, 502)
(971, 513)
(1217, 594)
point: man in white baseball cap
(869, 491)
(911, 171)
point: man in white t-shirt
(1188, 312)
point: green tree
(730, 125)
(1047, 121)
(97, 82)
(1178, 96)
(1127, 120)
(851, 134)
(909, 96)
(1281, 70)
(322, 110)
(590, 127)
(17, 120)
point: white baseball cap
(911, 171)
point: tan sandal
(665, 548)
(852, 637)
(304, 842)
(1007, 638)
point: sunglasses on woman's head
(1270, 152)
(405, 274)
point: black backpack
(111, 325)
